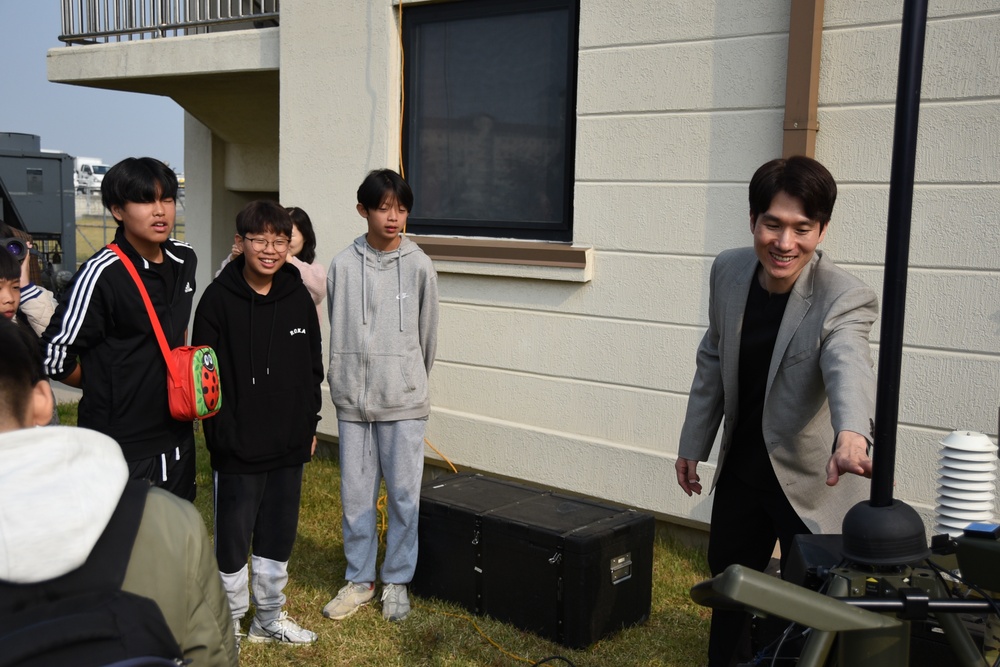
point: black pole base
(880, 536)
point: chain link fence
(95, 226)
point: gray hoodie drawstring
(399, 282)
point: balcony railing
(102, 21)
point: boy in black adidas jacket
(262, 323)
(100, 337)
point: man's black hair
(138, 179)
(383, 184)
(801, 177)
(264, 215)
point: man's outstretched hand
(850, 456)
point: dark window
(489, 117)
(35, 185)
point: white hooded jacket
(58, 489)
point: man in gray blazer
(786, 367)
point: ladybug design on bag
(210, 382)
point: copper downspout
(805, 37)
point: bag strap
(113, 550)
(157, 329)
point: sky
(81, 121)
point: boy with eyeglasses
(101, 339)
(262, 323)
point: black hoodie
(270, 368)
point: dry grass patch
(438, 634)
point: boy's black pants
(172, 471)
(258, 510)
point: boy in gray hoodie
(383, 304)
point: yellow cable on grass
(481, 633)
(382, 504)
(446, 460)
(381, 507)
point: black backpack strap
(113, 550)
(104, 568)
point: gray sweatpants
(370, 452)
(268, 586)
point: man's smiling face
(785, 240)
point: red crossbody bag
(193, 389)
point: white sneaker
(282, 629)
(239, 635)
(395, 602)
(350, 598)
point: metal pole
(897, 249)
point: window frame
(553, 231)
(34, 180)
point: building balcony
(217, 59)
(102, 21)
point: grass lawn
(437, 633)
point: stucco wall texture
(583, 386)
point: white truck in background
(88, 173)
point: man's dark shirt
(748, 457)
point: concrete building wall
(583, 385)
(951, 361)
(678, 104)
(210, 205)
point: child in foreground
(63, 535)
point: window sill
(513, 259)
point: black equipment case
(568, 569)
